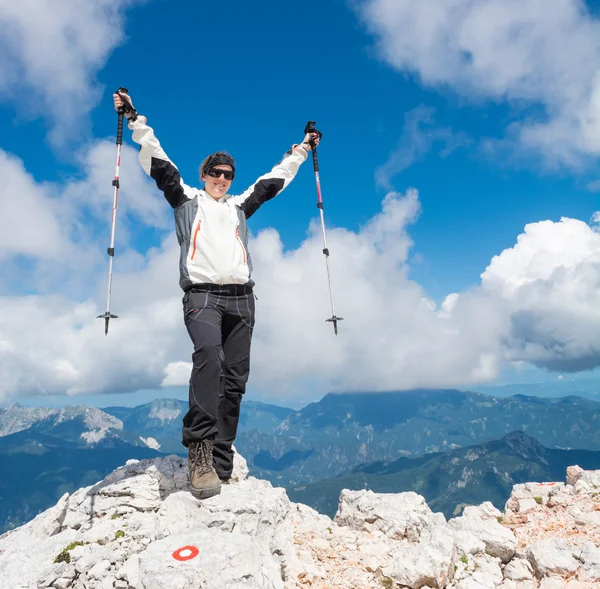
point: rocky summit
(140, 528)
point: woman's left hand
(306, 142)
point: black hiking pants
(220, 320)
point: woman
(215, 274)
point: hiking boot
(204, 481)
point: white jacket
(212, 234)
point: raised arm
(153, 159)
(272, 183)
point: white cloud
(55, 345)
(61, 231)
(177, 374)
(389, 338)
(419, 136)
(138, 197)
(50, 53)
(550, 281)
(26, 204)
(538, 302)
(544, 250)
(530, 52)
(49, 343)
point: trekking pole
(111, 248)
(310, 128)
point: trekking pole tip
(334, 320)
(107, 317)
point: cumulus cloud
(391, 337)
(59, 233)
(50, 53)
(139, 201)
(538, 302)
(177, 374)
(25, 203)
(529, 52)
(550, 282)
(54, 345)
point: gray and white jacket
(212, 234)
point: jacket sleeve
(158, 166)
(271, 184)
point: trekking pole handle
(124, 108)
(120, 129)
(310, 128)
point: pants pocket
(193, 303)
(246, 309)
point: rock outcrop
(140, 528)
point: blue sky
(270, 76)
(472, 112)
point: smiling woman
(215, 274)
(217, 172)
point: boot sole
(205, 493)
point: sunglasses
(216, 173)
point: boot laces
(200, 457)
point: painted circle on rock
(186, 553)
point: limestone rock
(552, 557)
(140, 528)
(483, 523)
(401, 516)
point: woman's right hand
(119, 100)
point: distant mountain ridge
(16, 418)
(79, 423)
(52, 451)
(162, 419)
(563, 387)
(456, 478)
(338, 435)
(366, 414)
(344, 430)
(48, 452)
(42, 467)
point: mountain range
(46, 452)
(395, 440)
(79, 424)
(39, 468)
(161, 420)
(449, 481)
(342, 431)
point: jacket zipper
(195, 237)
(237, 236)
